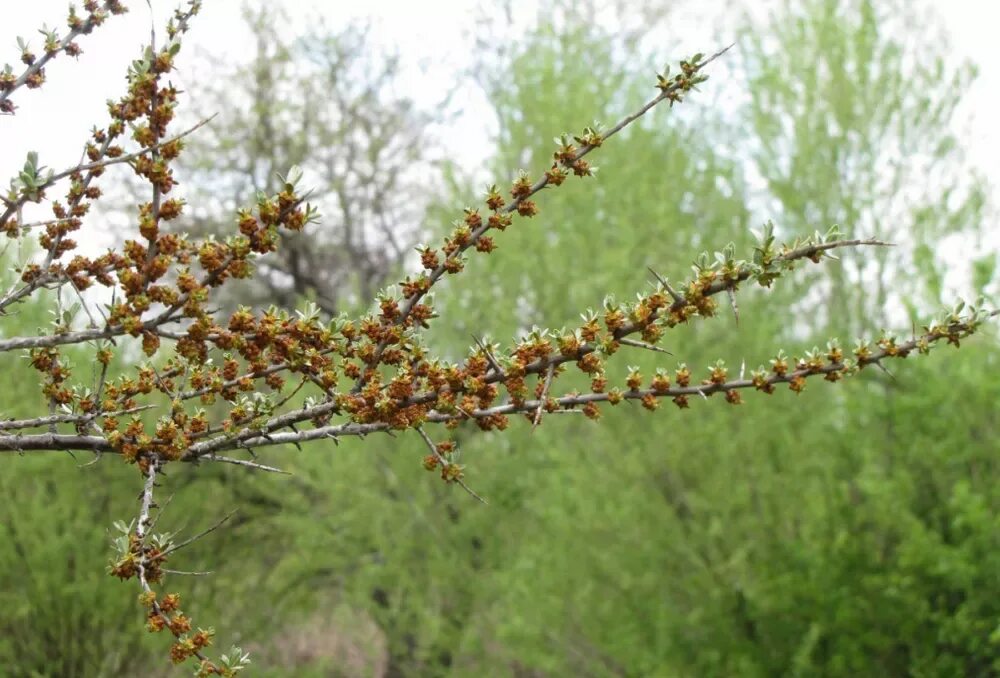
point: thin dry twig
(246, 463)
(541, 399)
(187, 542)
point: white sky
(55, 120)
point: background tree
(328, 101)
(693, 571)
(852, 126)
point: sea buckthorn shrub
(213, 387)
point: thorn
(203, 533)
(678, 299)
(489, 356)
(186, 573)
(642, 344)
(541, 399)
(885, 369)
(248, 464)
(97, 458)
(295, 442)
(472, 493)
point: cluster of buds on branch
(213, 385)
(33, 75)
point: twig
(541, 399)
(146, 505)
(247, 463)
(445, 463)
(37, 66)
(38, 422)
(141, 531)
(100, 164)
(177, 547)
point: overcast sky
(55, 120)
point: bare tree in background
(327, 101)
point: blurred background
(850, 530)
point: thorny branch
(572, 157)
(33, 75)
(144, 556)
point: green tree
(852, 105)
(740, 544)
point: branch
(669, 92)
(450, 470)
(34, 74)
(264, 437)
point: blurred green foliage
(850, 530)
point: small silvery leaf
(293, 177)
